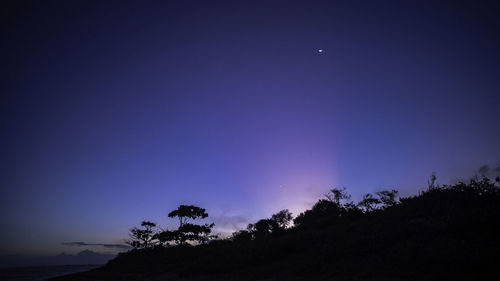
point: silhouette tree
(281, 219)
(261, 228)
(329, 208)
(369, 203)
(336, 195)
(186, 212)
(241, 236)
(276, 224)
(145, 237)
(167, 236)
(194, 232)
(352, 210)
(387, 197)
(323, 209)
(431, 183)
(188, 231)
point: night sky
(117, 112)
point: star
(320, 51)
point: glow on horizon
(110, 122)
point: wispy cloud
(488, 171)
(82, 244)
(229, 224)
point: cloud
(82, 244)
(483, 170)
(230, 223)
(488, 171)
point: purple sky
(117, 112)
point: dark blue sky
(119, 111)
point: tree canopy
(150, 236)
(186, 212)
(144, 237)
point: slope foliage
(444, 233)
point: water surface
(39, 273)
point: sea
(39, 273)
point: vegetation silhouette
(151, 237)
(446, 232)
(143, 238)
(188, 231)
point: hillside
(444, 233)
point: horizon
(83, 257)
(118, 113)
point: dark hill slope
(445, 233)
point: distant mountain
(83, 257)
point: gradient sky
(116, 112)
